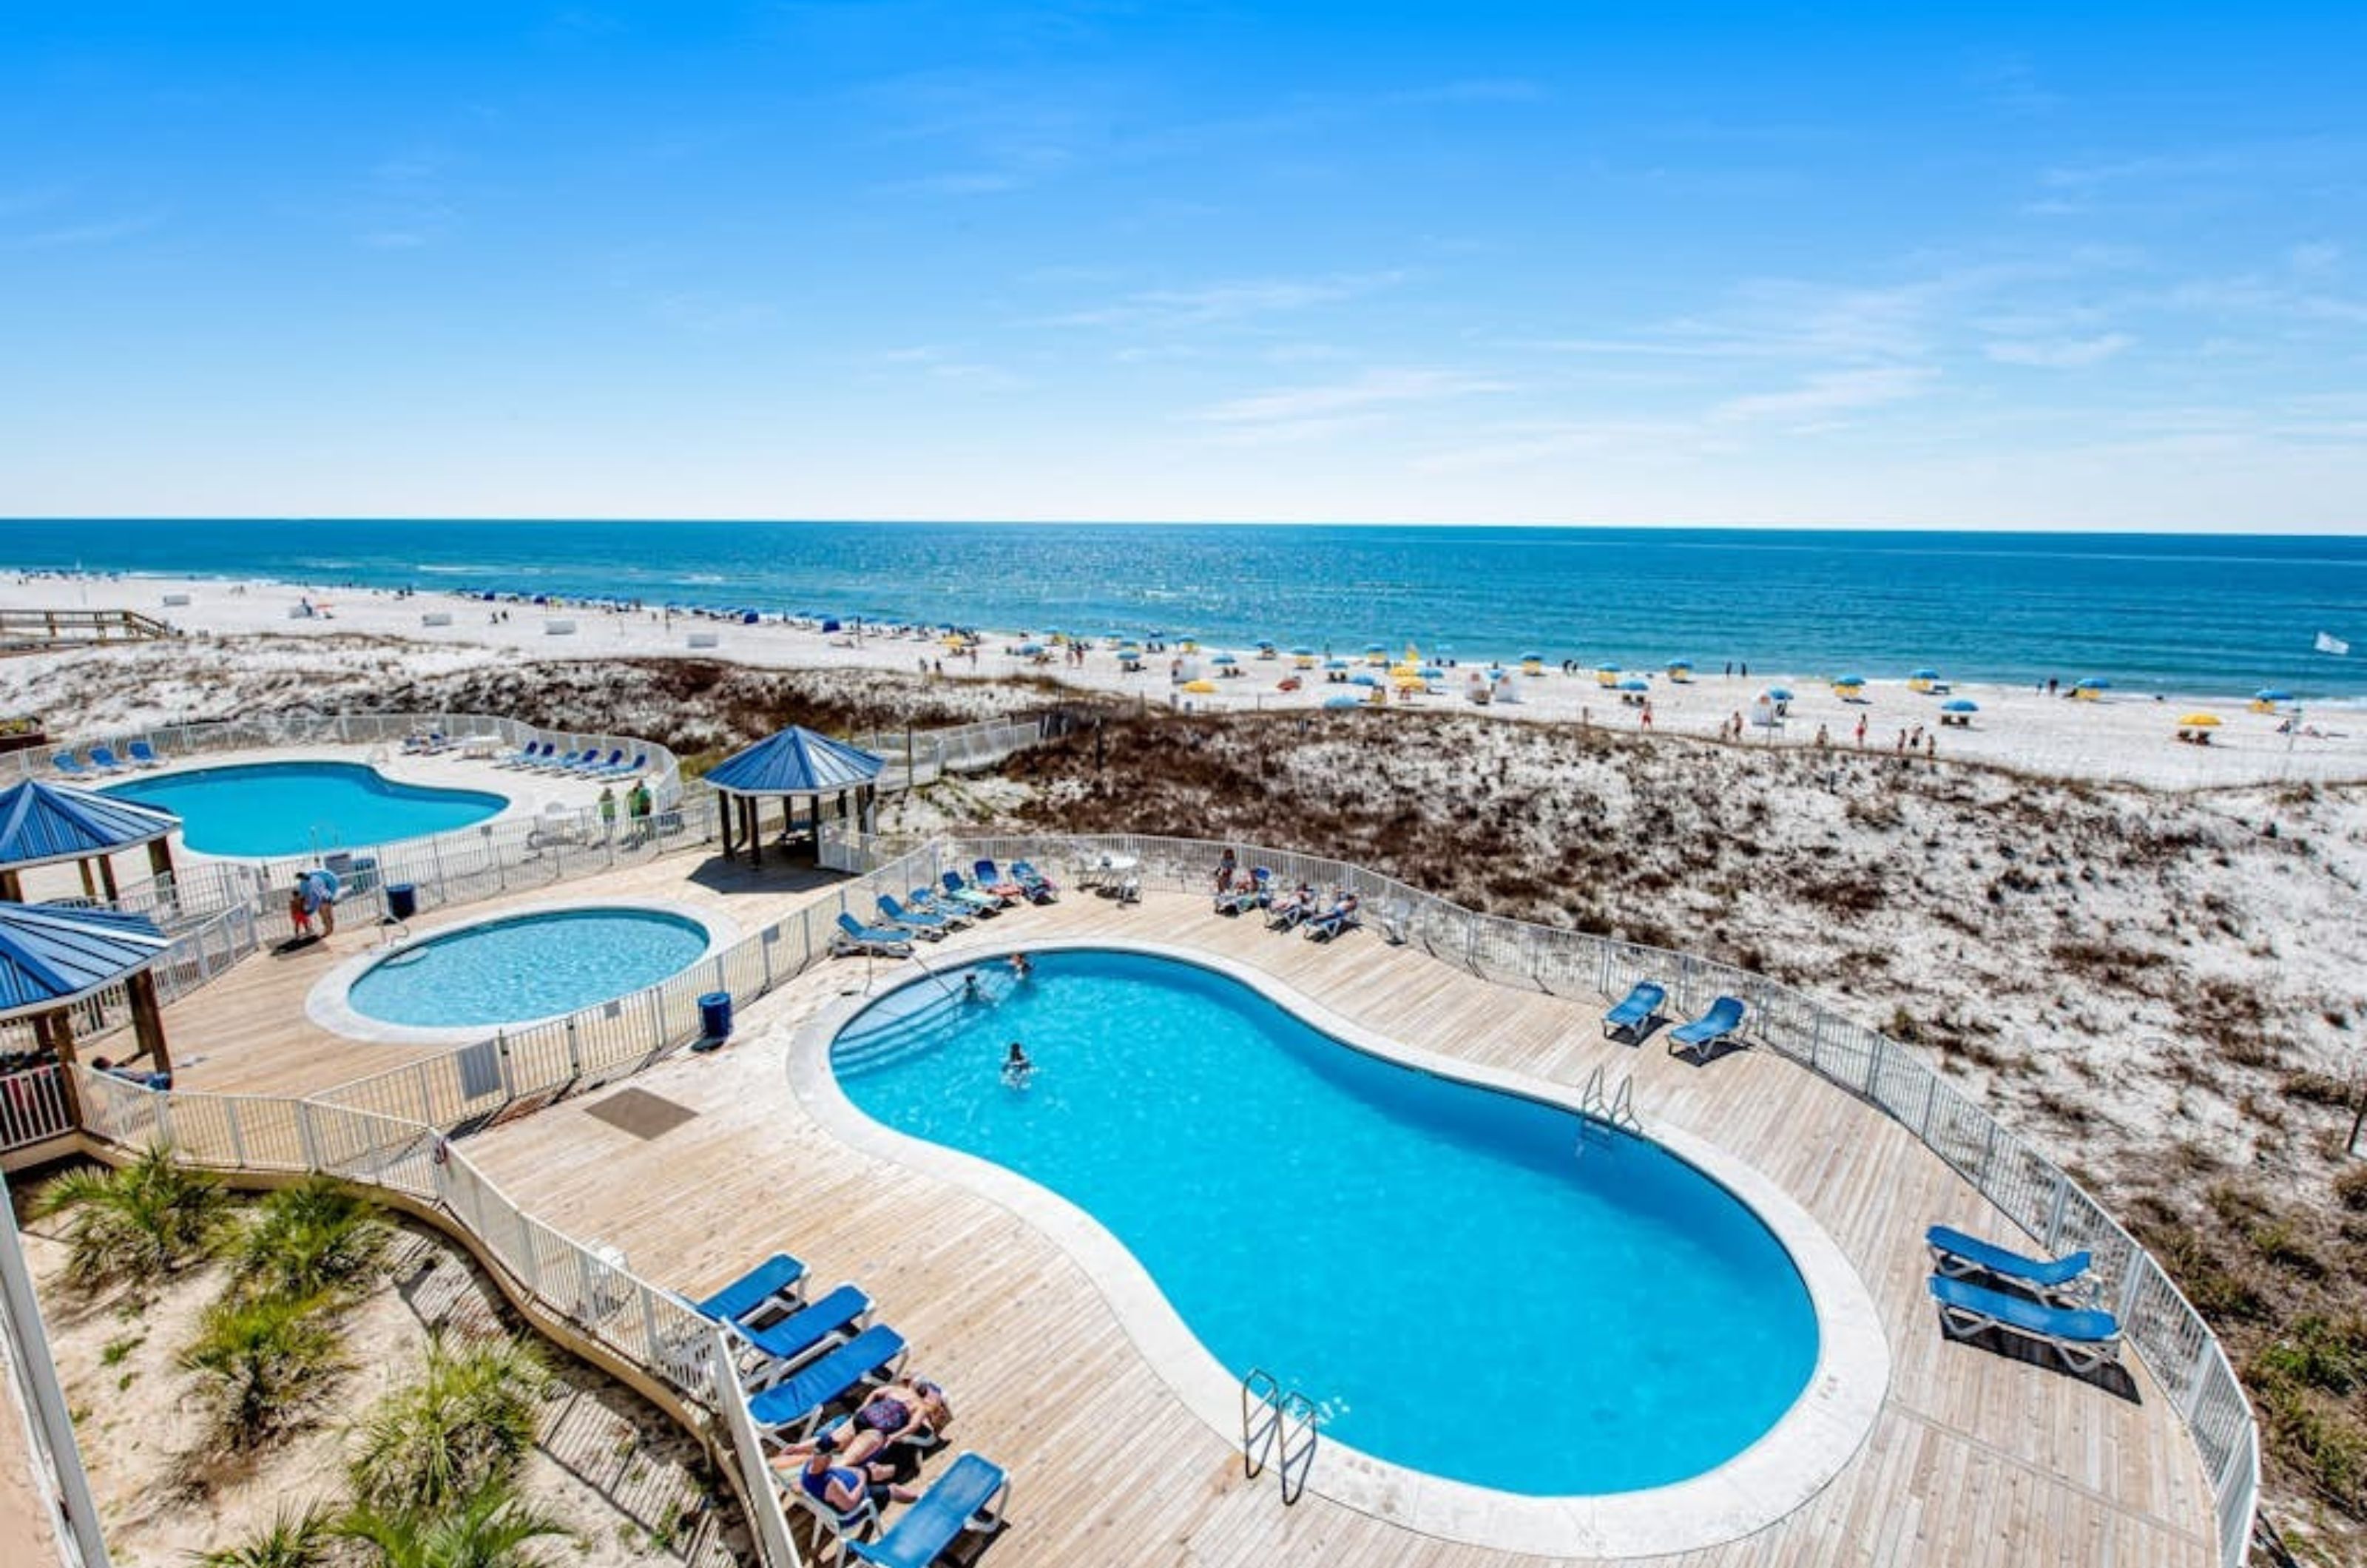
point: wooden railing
(70, 628)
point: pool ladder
(1280, 1426)
(1605, 1109)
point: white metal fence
(590, 1289)
(919, 757)
(2177, 1346)
(33, 1106)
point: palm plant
(317, 1238)
(292, 1540)
(464, 1426)
(264, 1357)
(150, 1218)
(489, 1529)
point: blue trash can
(715, 1016)
(401, 900)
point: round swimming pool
(526, 967)
(296, 808)
(1472, 1283)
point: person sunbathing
(1291, 908)
(913, 1410)
(1334, 921)
(844, 1489)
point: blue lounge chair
(993, 884)
(64, 763)
(933, 927)
(955, 912)
(969, 1496)
(144, 755)
(2085, 1338)
(1704, 1034)
(2065, 1282)
(550, 764)
(594, 765)
(805, 1334)
(796, 1402)
(854, 937)
(105, 761)
(640, 764)
(1039, 888)
(1256, 894)
(968, 897)
(1635, 1015)
(767, 1290)
(534, 754)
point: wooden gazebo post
(148, 1020)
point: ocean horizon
(2196, 613)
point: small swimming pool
(526, 967)
(300, 809)
(1474, 1284)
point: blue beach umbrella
(1960, 705)
(2091, 683)
(2271, 694)
(1344, 703)
(1851, 681)
(1922, 674)
(1686, 664)
(1265, 642)
(1632, 684)
(1533, 659)
(1335, 664)
(1302, 653)
(1432, 672)
(1224, 659)
(1364, 680)
(1781, 693)
(1030, 650)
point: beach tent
(794, 765)
(1681, 670)
(1922, 680)
(45, 824)
(55, 960)
(2267, 698)
(1606, 675)
(2085, 691)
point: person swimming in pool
(971, 990)
(1018, 1067)
(1022, 966)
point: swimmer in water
(1017, 1069)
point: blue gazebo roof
(51, 953)
(795, 761)
(40, 821)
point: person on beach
(1931, 745)
(1729, 668)
(1824, 738)
(1861, 732)
(1647, 712)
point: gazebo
(54, 958)
(795, 765)
(44, 824)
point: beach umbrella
(1779, 694)
(1030, 650)
(1224, 659)
(2199, 721)
(1851, 681)
(1376, 647)
(2271, 694)
(1632, 684)
(1265, 642)
(1335, 664)
(1922, 674)
(1606, 670)
(1202, 688)
(1960, 705)
(1362, 680)
(1432, 672)
(1343, 702)
(1302, 653)
(2091, 685)
(1533, 659)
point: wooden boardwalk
(1977, 1459)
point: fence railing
(467, 1085)
(920, 756)
(33, 1106)
(2175, 1343)
(589, 1287)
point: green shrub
(317, 1238)
(149, 1219)
(466, 1425)
(263, 1358)
(491, 1528)
(292, 1540)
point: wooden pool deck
(1975, 1459)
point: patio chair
(1710, 1029)
(969, 1496)
(1038, 887)
(804, 1334)
(793, 1406)
(66, 764)
(984, 905)
(1633, 1016)
(2063, 1281)
(1340, 917)
(105, 761)
(2085, 1338)
(143, 755)
(954, 913)
(855, 937)
(933, 927)
(769, 1289)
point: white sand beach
(2123, 735)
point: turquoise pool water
(1473, 1286)
(527, 967)
(296, 808)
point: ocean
(2206, 615)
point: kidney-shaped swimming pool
(1473, 1284)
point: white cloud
(1217, 303)
(2059, 354)
(1830, 393)
(1372, 390)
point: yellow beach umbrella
(2199, 721)
(1203, 688)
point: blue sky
(1620, 263)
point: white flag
(2328, 643)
